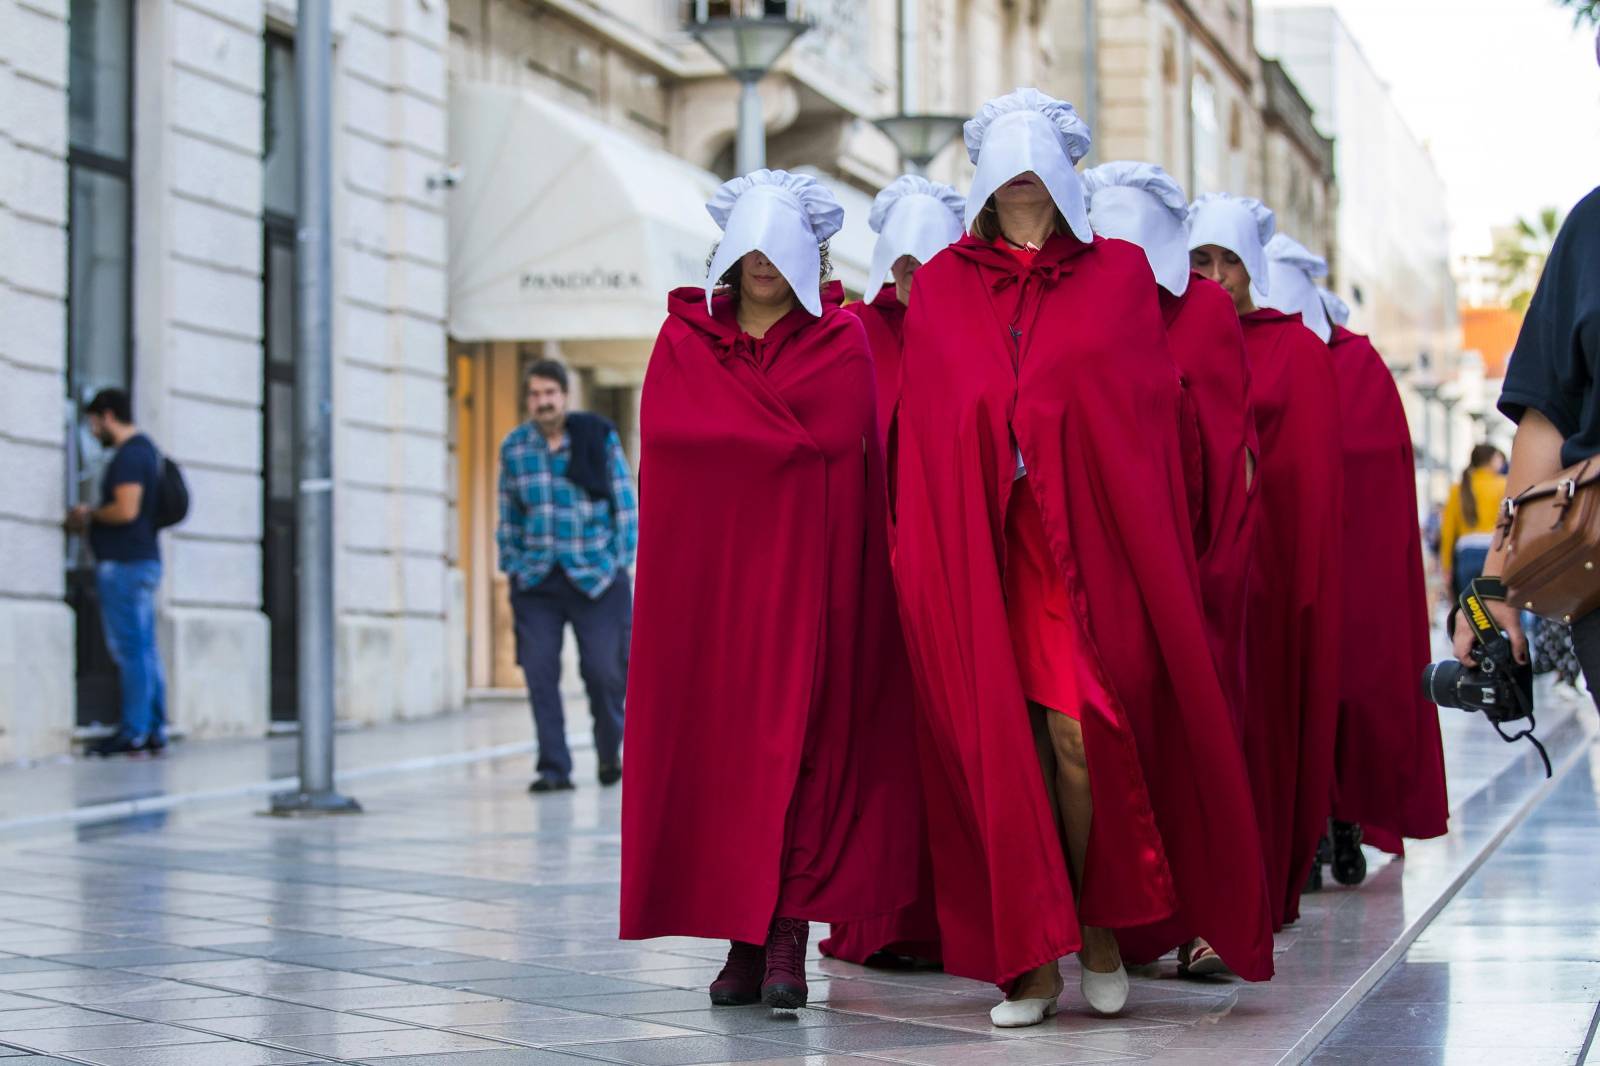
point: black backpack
(172, 495)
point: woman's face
(1227, 270)
(1024, 190)
(902, 269)
(760, 282)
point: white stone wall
(198, 313)
(36, 626)
(400, 622)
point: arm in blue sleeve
(625, 502)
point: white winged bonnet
(1338, 310)
(1241, 224)
(785, 217)
(1142, 204)
(1293, 268)
(1027, 130)
(911, 216)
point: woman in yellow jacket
(1466, 529)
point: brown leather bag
(1553, 535)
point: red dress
(769, 705)
(1292, 623)
(1066, 358)
(1388, 758)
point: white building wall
(37, 652)
(400, 618)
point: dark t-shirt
(1555, 367)
(136, 462)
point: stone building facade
(148, 214)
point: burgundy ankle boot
(739, 982)
(784, 987)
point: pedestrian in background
(773, 781)
(122, 535)
(1467, 526)
(569, 525)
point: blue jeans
(128, 609)
(603, 628)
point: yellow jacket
(1488, 489)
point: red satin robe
(769, 773)
(1293, 616)
(1388, 758)
(913, 930)
(1068, 357)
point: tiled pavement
(461, 922)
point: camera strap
(1474, 604)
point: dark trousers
(603, 627)
(1586, 643)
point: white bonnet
(817, 202)
(1147, 176)
(1337, 309)
(1073, 131)
(912, 185)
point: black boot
(1349, 864)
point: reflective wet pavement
(461, 922)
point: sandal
(1197, 959)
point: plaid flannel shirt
(546, 519)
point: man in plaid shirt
(569, 526)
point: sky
(1505, 93)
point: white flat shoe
(1107, 993)
(1017, 1013)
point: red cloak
(1207, 343)
(1292, 621)
(1388, 758)
(770, 771)
(884, 319)
(1091, 395)
(912, 930)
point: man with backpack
(134, 504)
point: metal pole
(314, 420)
(908, 57)
(751, 148)
(1091, 69)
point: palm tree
(1521, 250)
(1583, 10)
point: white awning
(562, 228)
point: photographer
(1552, 392)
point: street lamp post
(747, 48)
(919, 138)
(1429, 391)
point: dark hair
(114, 402)
(551, 370)
(1482, 455)
(986, 226)
(731, 278)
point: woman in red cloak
(1292, 635)
(1051, 599)
(915, 219)
(1142, 204)
(770, 783)
(1389, 777)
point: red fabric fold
(912, 930)
(771, 770)
(1091, 395)
(1389, 759)
(1293, 619)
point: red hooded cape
(1389, 761)
(1092, 396)
(912, 930)
(1208, 345)
(1292, 622)
(884, 318)
(769, 768)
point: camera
(1496, 686)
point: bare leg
(1076, 804)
